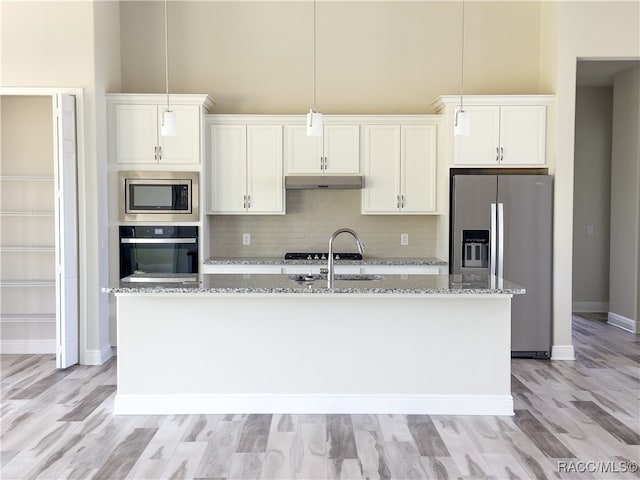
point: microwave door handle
(158, 240)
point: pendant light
(314, 119)
(461, 122)
(168, 123)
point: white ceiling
(600, 73)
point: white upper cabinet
(503, 130)
(399, 169)
(523, 135)
(337, 152)
(245, 169)
(134, 123)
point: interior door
(66, 214)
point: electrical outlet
(246, 239)
(404, 239)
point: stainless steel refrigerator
(501, 225)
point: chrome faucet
(330, 267)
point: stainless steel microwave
(150, 196)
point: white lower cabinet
(399, 169)
(245, 169)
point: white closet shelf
(27, 178)
(28, 213)
(27, 283)
(28, 248)
(28, 318)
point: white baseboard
(563, 352)
(622, 322)
(590, 307)
(314, 404)
(28, 346)
(98, 357)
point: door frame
(78, 93)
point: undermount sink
(310, 278)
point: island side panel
(200, 353)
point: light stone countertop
(344, 284)
(365, 261)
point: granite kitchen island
(418, 344)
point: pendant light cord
(462, 63)
(166, 52)
(314, 55)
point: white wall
(592, 199)
(625, 200)
(373, 57)
(604, 30)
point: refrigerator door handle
(500, 240)
(492, 265)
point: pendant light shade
(314, 124)
(168, 124)
(314, 118)
(461, 122)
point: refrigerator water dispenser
(475, 248)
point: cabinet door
(522, 135)
(136, 133)
(381, 169)
(184, 147)
(304, 154)
(264, 169)
(418, 168)
(342, 149)
(227, 168)
(480, 146)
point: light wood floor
(573, 420)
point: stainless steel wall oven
(158, 249)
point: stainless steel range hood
(315, 182)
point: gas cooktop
(321, 256)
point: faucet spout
(330, 260)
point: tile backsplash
(312, 216)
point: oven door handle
(158, 240)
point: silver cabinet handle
(401, 201)
(497, 154)
(321, 163)
(244, 201)
(248, 201)
(397, 201)
(501, 154)
(155, 152)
